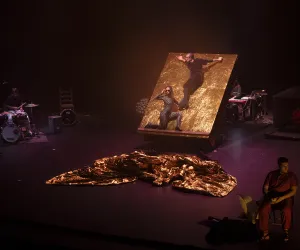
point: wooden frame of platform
(173, 133)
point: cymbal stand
(34, 129)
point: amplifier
(54, 124)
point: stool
(276, 220)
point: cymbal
(31, 105)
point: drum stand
(33, 128)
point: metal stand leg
(33, 126)
(265, 112)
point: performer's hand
(180, 58)
(280, 199)
(220, 59)
(276, 200)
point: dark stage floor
(139, 216)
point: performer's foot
(184, 107)
(265, 236)
(286, 236)
(151, 126)
(178, 129)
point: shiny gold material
(185, 172)
(199, 119)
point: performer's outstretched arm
(159, 97)
(215, 60)
(219, 59)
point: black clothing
(14, 101)
(236, 91)
(195, 80)
(196, 66)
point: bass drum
(11, 133)
(68, 117)
(3, 119)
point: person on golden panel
(195, 66)
(170, 111)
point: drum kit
(247, 107)
(69, 117)
(15, 125)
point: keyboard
(232, 100)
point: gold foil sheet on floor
(184, 172)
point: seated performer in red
(279, 188)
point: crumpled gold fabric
(185, 172)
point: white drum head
(11, 133)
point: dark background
(112, 52)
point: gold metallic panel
(198, 120)
(185, 172)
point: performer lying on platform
(169, 111)
(280, 188)
(195, 65)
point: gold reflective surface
(204, 103)
(185, 172)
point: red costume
(279, 185)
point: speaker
(55, 123)
(286, 109)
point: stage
(129, 216)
